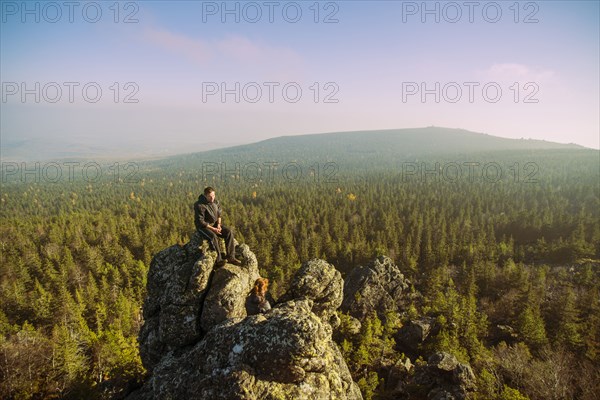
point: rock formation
(198, 342)
(377, 288)
(446, 378)
(380, 288)
(442, 377)
(414, 333)
(321, 282)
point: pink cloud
(194, 49)
(232, 48)
(520, 72)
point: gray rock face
(377, 288)
(177, 285)
(398, 376)
(198, 343)
(446, 378)
(228, 291)
(320, 282)
(411, 335)
(286, 353)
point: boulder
(378, 288)
(319, 281)
(446, 378)
(226, 297)
(398, 376)
(177, 285)
(286, 353)
(414, 333)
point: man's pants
(213, 238)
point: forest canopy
(506, 238)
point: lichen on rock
(377, 288)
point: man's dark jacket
(206, 213)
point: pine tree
(530, 325)
(68, 357)
(569, 327)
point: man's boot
(234, 261)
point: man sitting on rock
(207, 218)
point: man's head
(209, 193)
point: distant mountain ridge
(403, 143)
(410, 142)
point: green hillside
(518, 250)
(397, 142)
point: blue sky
(511, 69)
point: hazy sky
(194, 73)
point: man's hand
(216, 229)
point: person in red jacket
(207, 218)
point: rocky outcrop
(229, 288)
(445, 378)
(177, 285)
(377, 288)
(398, 377)
(286, 353)
(198, 342)
(414, 333)
(320, 282)
(442, 377)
